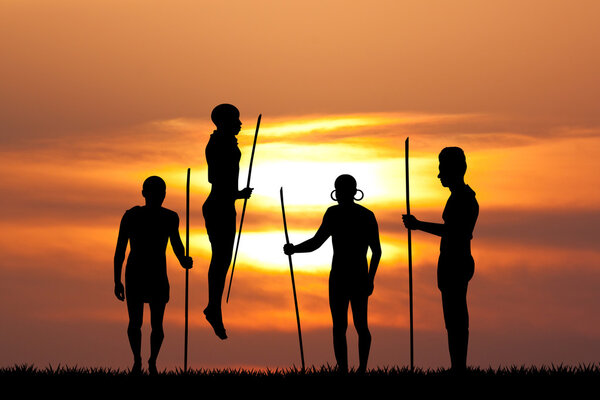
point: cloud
(535, 247)
(117, 65)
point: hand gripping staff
(244, 208)
(287, 241)
(410, 285)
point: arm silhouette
(412, 223)
(244, 193)
(120, 258)
(375, 246)
(313, 243)
(178, 248)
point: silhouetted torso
(352, 228)
(456, 265)
(223, 159)
(146, 271)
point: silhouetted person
(147, 228)
(455, 264)
(353, 229)
(223, 159)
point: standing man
(223, 159)
(353, 230)
(455, 264)
(147, 229)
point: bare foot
(136, 369)
(215, 320)
(152, 370)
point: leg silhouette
(359, 315)
(456, 317)
(134, 333)
(338, 304)
(157, 311)
(217, 274)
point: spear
(287, 241)
(187, 271)
(244, 208)
(410, 285)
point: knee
(219, 264)
(157, 330)
(339, 329)
(134, 326)
(363, 331)
(457, 328)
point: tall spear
(244, 208)
(187, 271)
(287, 241)
(410, 285)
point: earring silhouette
(361, 197)
(331, 195)
(358, 190)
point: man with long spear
(353, 230)
(455, 264)
(223, 159)
(147, 229)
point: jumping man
(223, 159)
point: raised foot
(214, 319)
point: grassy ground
(514, 382)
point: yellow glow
(328, 123)
(279, 127)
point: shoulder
(130, 217)
(364, 211)
(333, 210)
(469, 195)
(213, 141)
(468, 191)
(132, 211)
(169, 213)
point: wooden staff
(187, 271)
(410, 285)
(244, 208)
(287, 241)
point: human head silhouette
(226, 118)
(345, 189)
(154, 190)
(453, 165)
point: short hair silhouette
(345, 181)
(454, 159)
(224, 113)
(345, 187)
(154, 184)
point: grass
(582, 370)
(321, 382)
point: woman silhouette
(353, 230)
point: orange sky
(97, 96)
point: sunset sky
(96, 96)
